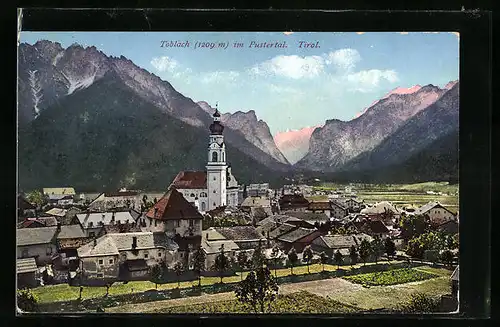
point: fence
(158, 295)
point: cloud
(219, 76)
(295, 67)
(403, 33)
(344, 58)
(367, 80)
(288, 33)
(164, 63)
(360, 33)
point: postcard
(238, 172)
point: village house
(92, 222)
(246, 237)
(449, 228)
(60, 195)
(373, 228)
(24, 208)
(353, 205)
(261, 190)
(177, 218)
(293, 202)
(383, 211)
(38, 243)
(331, 243)
(211, 243)
(298, 238)
(320, 207)
(27, 272)
(306, 219)
(437, 213)
(339, 211)
(251, 203)
(121, 200)
(124, 257)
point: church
(216, 186)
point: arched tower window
(223, 159)
(214, 156)
(203, 206)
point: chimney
(134, 242)
(207, 236)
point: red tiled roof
(190, 179)
(173, 206)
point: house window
(203, 206)
(49, 250)
(192, 195)
(146, 255)
(91, 224)
(215, 191)
(178, 223)
(214, 204)
(110, 261)
(101, 261)
(91, 234)
(215, 178)
(182, 254)
(191, 223)
(159, 254)
(156, 222)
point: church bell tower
(216, 165)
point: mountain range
(101, 122)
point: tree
(307, 256)
(420, 303)
(390, 248)
(275, 253)
(452, 242)
(338, 258)
(179, 270)
(292, 257)
(324, 259)
(36, 197)
(365, 250)
(258, 258)
(378, 248)
(242, 260)
(353, 254)
(27, 301)
(108, 285)
(258, 289)
(221, 263)
(156, 275)
(199, 262)
(447, 257)
(413, 226)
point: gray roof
(71, 231)
(360, 237)
(281, 229)
(338, 241)
(56, 212)
(267, 227)
(308, 216)
(426, 207)
(33, 236)
(104, 217)
(295, 235)
(211, 234)
(239, 233)
(454, 275)
(211, 247)
(26, 265)
(111, 244)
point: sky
(289, 88)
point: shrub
(27, 301)
(420, 303)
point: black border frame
(475, 28)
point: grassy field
(443, 187)
(393, 277)
(299, 302)
(64, 292)
(331, 295)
